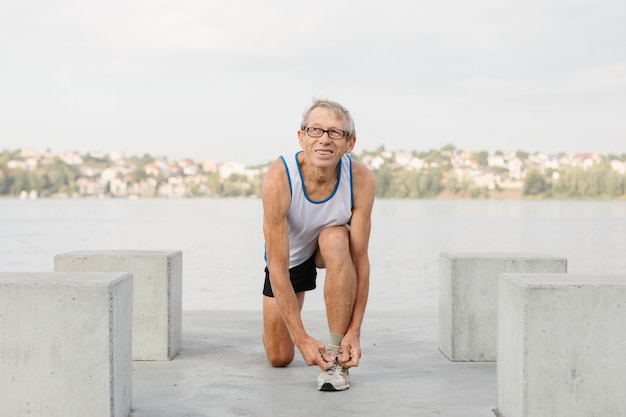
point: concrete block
(157, 305)
(65, 342)
(561, 345)
(468, 299)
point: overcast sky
(228, 80)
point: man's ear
(301, 138)
(350, 145)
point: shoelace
(335, 368)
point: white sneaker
(337, 378)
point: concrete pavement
(222, 371)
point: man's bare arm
(360, 227)
(276, 202)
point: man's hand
(314, 353)
(350, 352)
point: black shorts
(302, 277)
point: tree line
(597, 182)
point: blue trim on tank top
(351, 189)
(304, 189)
(288, 176)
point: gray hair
(337, 109)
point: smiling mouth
(324, 152)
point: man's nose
(327, 135)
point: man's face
(324, 151)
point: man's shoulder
(364, 183)
(359, 169)
(275, 178)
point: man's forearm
(289, 308)
(362, 293)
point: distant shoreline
(510, 195)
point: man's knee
(278, 356)
(280, 361)
(334, 238)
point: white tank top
(306, 217)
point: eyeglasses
(317, 132)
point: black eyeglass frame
(328, 132)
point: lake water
(222, 241)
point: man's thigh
(275, 330)
(279, 348)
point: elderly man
(317, 206)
